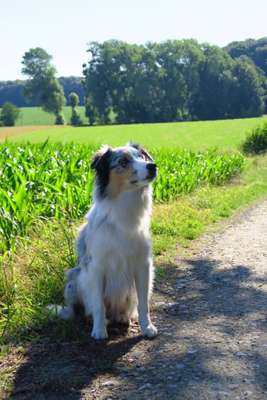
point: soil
(7, 132)
(210, 308)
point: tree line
(13, 91)
(170, 81)
(158, 82)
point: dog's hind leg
(129, 313)
(70, 295)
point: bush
(9, 114)
(256, 141)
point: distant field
(223, 134)
(36, 116)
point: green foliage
(90, 110)
(12, 91)
(75, 118)
(60, 120)
(256, 141)
(54, 180)
(256, 50)
(170, 81)
(181, 171)
(227, 88)
(53, 99)
(37, 62)
(42, 85)
(73, 99)
(9, 114)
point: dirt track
(7, 132)
(211, 311)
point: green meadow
(197, 136)
(36, 116)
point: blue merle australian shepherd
(114, 276)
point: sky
(65, 27)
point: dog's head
(122, 169)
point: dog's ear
(137, 146)
(101, 157)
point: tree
(170, 81)
(228, 88)
(90, 111)
(9, 114)
(256, 51)
(247, 91)
(212, 98)
(151, 83)
(73, 100)
(12, 91)
(42, 84)
(75, 117)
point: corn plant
(54, 180)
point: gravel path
(211, 311)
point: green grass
(223, 134)
(36, 116)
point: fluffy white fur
(114, 276)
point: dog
(114, 275)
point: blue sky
(64, 27)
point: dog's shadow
(64, 369)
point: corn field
(54, 180)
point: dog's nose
(152, 170)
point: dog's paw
(99, 334)
(150, 331)
(123, 320)
(66, 313)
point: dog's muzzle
(152, 170)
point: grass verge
(191, 215)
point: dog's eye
(124, 162)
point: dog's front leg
(94, 305)
(142, 282)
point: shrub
(9, 114)
(256, 141)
